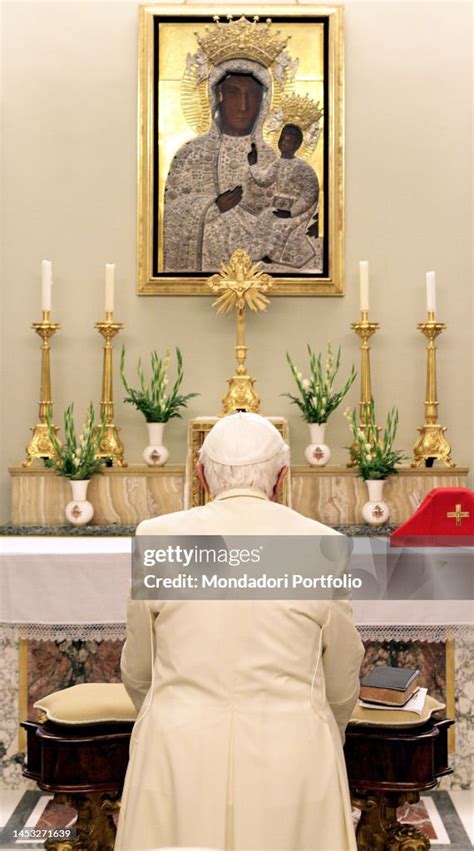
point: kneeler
(78, 750)
(391, 757)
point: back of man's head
(243, 451)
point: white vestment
(242, 707)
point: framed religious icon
(241, 146)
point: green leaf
(383, 458)
(152, 399)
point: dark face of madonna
(240, 97)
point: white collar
(234, 492)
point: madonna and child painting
(242, 128)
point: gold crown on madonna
(300, 110)
(242, 39)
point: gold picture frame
(166, 34)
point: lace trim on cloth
(117, 632)
(415, 632)
(63, 632)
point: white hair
(262, 476)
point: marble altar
(76, 637)
(124, 496)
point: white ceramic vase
(375, 512)
(317, 453)
(155, 454)
(79, 511)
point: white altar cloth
(64, 587)
(54, 588)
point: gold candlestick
(431, 444)
(240, 284)
(364, 329)
(40, 445)
(111, 446)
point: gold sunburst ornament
(240, 284)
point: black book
(393, 686)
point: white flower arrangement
(153, 400)
(375, 457)
(76, 458)
(317, 398)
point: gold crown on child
(300, 110)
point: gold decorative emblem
(318, 453)
(240, 284)
(458, 513)
(95, 825)
(155, 456)
(76, 511)
(379, 827)
(377, 512)
(242, 39)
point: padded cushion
(95, 703)
(88, 703)
(395, 717)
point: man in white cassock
(242, 705)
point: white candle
(109, 287)
(364, 284)
(46, 284)
(431, 292)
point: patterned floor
(446, 817)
